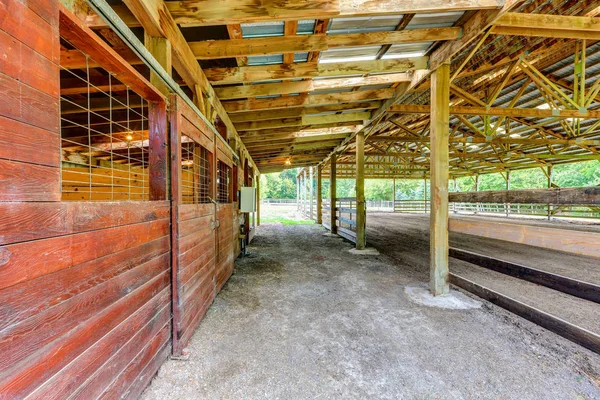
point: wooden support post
(507, 205)
(297, 192)
(477, 190)
(424, 192)
(160, 48)
(440, 132)
(394, 196)
(549, 174)
(310, 192)
(332, 193)
(319, 195)
(361, 217)
(305, 194)
(258, 200)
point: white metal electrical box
(248, 199)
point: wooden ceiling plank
(215, 49)
(269, 89)
(155, 17)
(548, 22)
(217, 12)
(304, 100)
(222, 76)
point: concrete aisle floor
(303, 319)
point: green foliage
(577, 175)
(283, 185)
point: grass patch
(286, 221)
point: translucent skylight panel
(264, 60)
(261, 29)
(434, 20)
(364, 24)
(306, 27)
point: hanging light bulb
(288, 162)
(129, 138)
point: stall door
(194, 220)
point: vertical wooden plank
(310, 192)
(305, 197)
(319, 195)
(361, 215)
(440, 132)
(258, 200)
(332, 192)
(160, 48)
(158, 158)
(175, 143)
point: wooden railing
(345, 216)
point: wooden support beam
(91, 44)
(545, 33)
(332, 194)
(474, 27)
(234, 106)
(258, 200)
(300, 111)
(158, 22)
(549, 22)
(160, 48)
(361, 210)
(207, 50)
(269, 89)
(190, 13)
(558, 196)
(225, 76)
(319, 195)
(499, 111)
(440, 132)
(495, 140)
(346, 119)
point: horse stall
(103, 274)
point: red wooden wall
(203, 235)
(85, 287)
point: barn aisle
(303, 318)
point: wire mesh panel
(223, 182)
(195, 172)
(104, 133)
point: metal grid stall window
(195, 172)
(223, 182)
(104, 133)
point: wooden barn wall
(86, 296)
(29, 101)
(203, 249)
(84, 287)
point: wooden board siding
(568, 240)
(196, 270)
(85, 295)
(74, 297)
(203, 240)
(29, 91)
(225, 256)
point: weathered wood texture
(86, 284)
(84, 287)
(571, 241)
(29, 92)
(440, 132)
(578, 196)
(203, 241)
